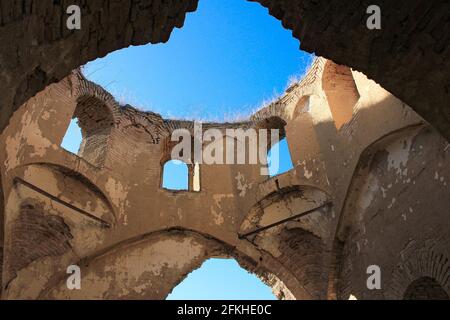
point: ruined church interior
(367, 129)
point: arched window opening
(89, 131)
(73, 138)
(175, 175)
(279, 158)
(341, 91)
(278, 155)
(177, 172)
(425, 288)
(221, 279)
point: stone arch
(157, 263)
(425, 288)
(429, 99)
(389, 169)
(341, 92)
(423, 271)
(96, 112)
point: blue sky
(221, 279)
(228, 59)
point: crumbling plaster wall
(151, 267)
(125, 203)
(397, 216)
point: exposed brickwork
(302, 252)
(96, 122)
(34, 235)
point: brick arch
(421, 262)
(425, 288)
(270, 121)
(302, 252)
(45, 209)
(84, 89)
(97, 112)
(298, 244)
(416, 33)
(96, 122)
(164, 259)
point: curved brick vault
(380, 168)
(409, 56)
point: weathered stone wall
(409, 56)
(391, 218)
(113, 215)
